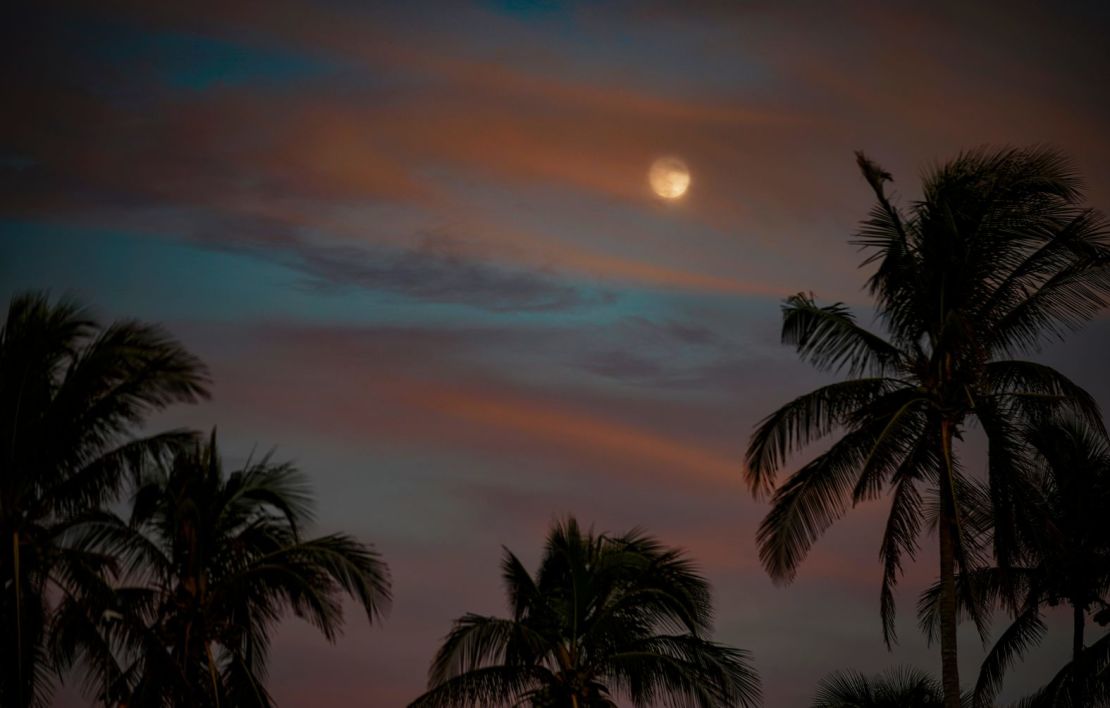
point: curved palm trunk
(949, 658)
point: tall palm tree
(899, 687)
(997, 255)
(73, 393)
(603, 616)
(1065, 549)
(212, 562)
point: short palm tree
(604, 616)
(998, 254)
(1065, 548)
(900, 687)
(212, 561)
(73, 393)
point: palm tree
(900, 687)
(212, 562)
(72, 394)
(603, 616)
(1065, 542)
(1083, 682)
(997, 255)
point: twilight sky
(416, 245)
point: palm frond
(900, 537)
(829, 338)
(1024, 632)
(487, 686)
(803, 421)
(683, 670)
(476, 640)
(986, 587)
(901, 687)
(819, 493)
(1038, 392)
(519, 585)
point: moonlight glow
(669, 177)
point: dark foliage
(998, 255)
(73, 394)
(604, 617)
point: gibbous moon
(669, 177)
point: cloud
(416, 118)
(477, 390)
(438, 127)
(436, 270)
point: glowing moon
(669, 177)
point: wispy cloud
(435, 270)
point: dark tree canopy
(900, 687)
(1063, 550)
(999, 254)
(73, 395)
(604, 616)
(212, 561)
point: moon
(669, 177)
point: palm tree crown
(998, 254)
(604, 616)
(900, 687)
(72, 392)
(212, 561)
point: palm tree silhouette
(899, 687)
(72, 391)
(213, 561)
(603, 616)
(1065, 549)
(1082, 682)
(998, 254)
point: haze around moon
(669, 177)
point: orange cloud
(629, 446)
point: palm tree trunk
(212, 673)
(949, 658)
(17, 586)
(1079, 621)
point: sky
(416, 245)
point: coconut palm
(73, 393)
(899, 687)
(604, 616)
(997, 255)
(212, 562)
(1082, 682)
(1065, 548)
